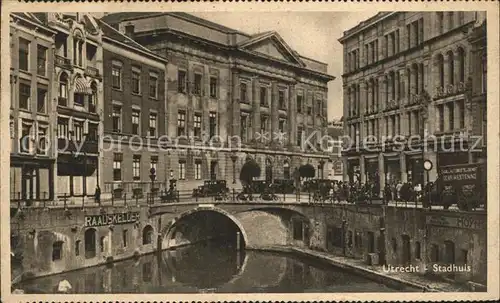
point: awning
(82, 86)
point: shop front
(371, 171)
(353, 170)
(415, 169)
(392, 170)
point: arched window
(90, 243)
(147, 235)
(57, 250)
(63, 90)
(451, 68)
(416, 78)
(440, 67)
(93, 98)
(461, 64)
(286, 170)
(422, 77)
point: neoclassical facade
(411, 74)
(251, 95)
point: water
(209, 268)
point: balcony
(69, 145)
(372, 109)
(450, 90)
(62, 62)
(92, 72)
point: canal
(209, 267)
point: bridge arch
(169, 229)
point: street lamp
(233, 158)
(152, 176)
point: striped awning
(82, 86)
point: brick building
(32, 156)
(134, 107)
(412, 74)
(222, 84)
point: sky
(311, 34)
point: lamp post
(152, 176)
(233, 158)
(428, 166)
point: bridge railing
(189, 196)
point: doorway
(406, 249)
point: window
(101, 243)
(299, 103)
(197, 84)
(440, 22)
(263, 96)
(243, 92)
(281, 99)
(440, 64)
(309, 110)
(24, 46)
(79, 99)
(136, 167)
(117, 167)
(77, 130)
(420, 30)
(212, 121)
(181, 123)
(93, 98)
(358, 240)
(451, 69)
(197, 125)
(461, 113)
(297, 230)
(117, 118)
(263, 124)
(147, 235)
(57, 250)
(154, 163)
(153, 86)
(116, 75)
(182, 170)
(300, 133)
(92, 131)
(243, 127)
(41, 99)
(63, 90)
(213, 170)
(451, 115)
(197, 170)
(136, 80)
(152, 124)
(42, 140)
(24, 95)
(25, 137)
(41, 66)
(281, 125)
(463, 256)
(181, 81)
(451, 16)
(213, 87)
(461, 65)
(62, 127)
(318, 108)
(417, 250)
(135, 121)
(125, 237)
(77, 247)
(90, 243)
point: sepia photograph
(247, 152)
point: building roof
(112, 33)
(244, 39)
(364, 24)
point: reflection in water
(205, 268)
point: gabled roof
(113, 34)
(273, 37)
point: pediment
(271, 45)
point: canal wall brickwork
(55, 240)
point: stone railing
(449, 90)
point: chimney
(129, 30)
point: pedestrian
(398, 190)
(387, 193)
(97, 195)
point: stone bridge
(256, 224)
